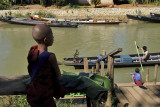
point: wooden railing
(109, 72)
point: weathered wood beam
(155, 73)
(116, 51)
(13, 85)
(85, 65)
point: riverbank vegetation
(16, 4)
(21, 101)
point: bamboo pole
(155, 73)
(147, 75)
(85, 65)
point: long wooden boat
(144, 18)
(119, 61)
(79, 21)
(36, 17)
(98, 22)
(28, 21)
(154, 15)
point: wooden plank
(122, 99)
(154, 90)
(144, 93)
(114, 52)
(157, 87)
(13, 85)
(128, 95)
(125, 85)
(151, 95)
(139, 98)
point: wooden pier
(138, 96)
(147, 95)
(128, 94)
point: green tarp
(94, 86)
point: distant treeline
(4, 4)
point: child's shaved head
(41, 31)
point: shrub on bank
(21, 101)
(3, 5)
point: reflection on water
(90, 40)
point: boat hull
(144, 18)
(154, 59)
(33, 22)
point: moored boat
(119, 61)
(154, 15)
(93, 21)
(36, 17)
(144, 18)
(28, 21)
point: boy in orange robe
(43, 70)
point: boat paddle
(139, 57)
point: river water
(90, 40)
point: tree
(95, 2)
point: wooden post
(93, 69)
(102, 68)
(97, 67)
(108, 102)
(147, 75)
(85, 65)
(155, 73)
(102, 64)
(88, 101)
(110, 71)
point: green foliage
(95, 2)
(10, 13)
(15, 7)
(14, 101)
(65, 104)
(20, 101)
(40, 13)
(61, 2)
(19, 15)
(43, 14)
(4, 5)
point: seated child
(137, 77)
(43, 70)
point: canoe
(79, 21)
(28, 21)
(36, 17)
(154, 15)
(99, 22)
(144, 18)
(92, 21)
(119, 61)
